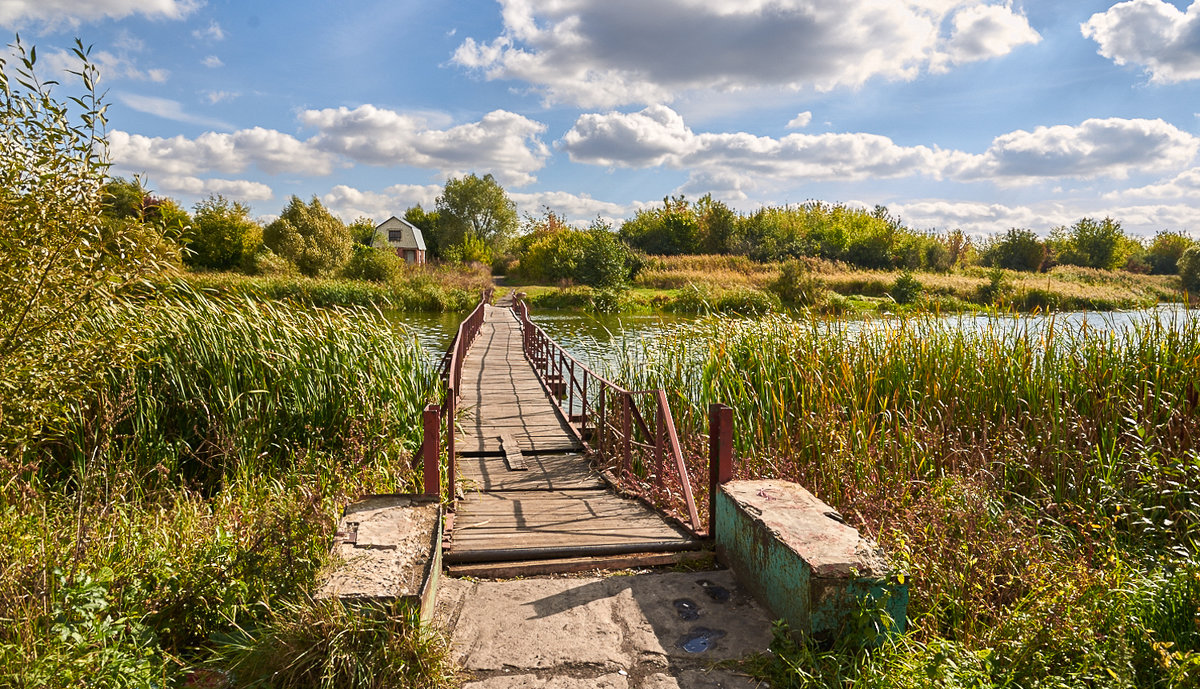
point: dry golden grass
(1066, 285)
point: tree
(1189, 268)
(309, 237)
(363, 231)
(667, 231)
(223, 235)
(1090, 243)
(718, 223)
(1166, 249)
(62, 262)
(1017, 249)
(475, 207)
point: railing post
(451, 486)
(431, 450)
(626, 428)
(720, 457)
(660, 424)
(602, 431)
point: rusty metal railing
(439, 419)
(631, 431)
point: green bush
(373, 265)
(796, 284)
(1016, 249)
(1166, 249)
(1189, 268)
(906, 289)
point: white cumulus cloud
(604, 53)
(73, 12)
(657, 135)
(503, 143)
(237, 189)
(271, 151)
(983, 32)
(1151, 33)
(800, 121)
(1112, 147)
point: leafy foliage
(1189, 268)
(1016, 249)
(61, 258)
(1090, 243)
(474, 208)
(1165, 250)
(372, 264)
(309, 237)
(223, 236)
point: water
(594, 339)
(598, 340)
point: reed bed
(176, 526)
(1031, 477)
(432, 289)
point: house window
(395, 235)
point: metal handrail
(570, 382)
(451, 373)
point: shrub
(1189, 268)
(374, 265)
(1164, 252)
(796, 284)
(1017, 249)
(906, 289)
(310, 237)
(996, 289)
(1090, 243)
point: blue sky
(972, 114)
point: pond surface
(598, 340)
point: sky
(978, 115)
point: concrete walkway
(659, 630)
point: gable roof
(410, 237)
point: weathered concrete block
(390, 548)
(796, 556)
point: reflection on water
(598, 340)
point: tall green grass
(1030, 476)
(416, 291)
(193, 495)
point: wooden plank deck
(501, 395)
(557, 507)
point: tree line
(474, 220)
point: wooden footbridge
(550, 467)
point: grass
(419, 288)
(1042, 487)
(173, 530)
(735, 284)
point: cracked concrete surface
(658, 630)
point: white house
(403, 238)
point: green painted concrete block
(793, 552)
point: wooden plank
(512, 453)
(497, 525)
(607, 563)
(544, 472)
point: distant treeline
(474, 221)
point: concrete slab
(661, 630)
(387, 550)
(610, 681)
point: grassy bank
(418, 288)
(1041, 488)
(735, 284)
(171, 529)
